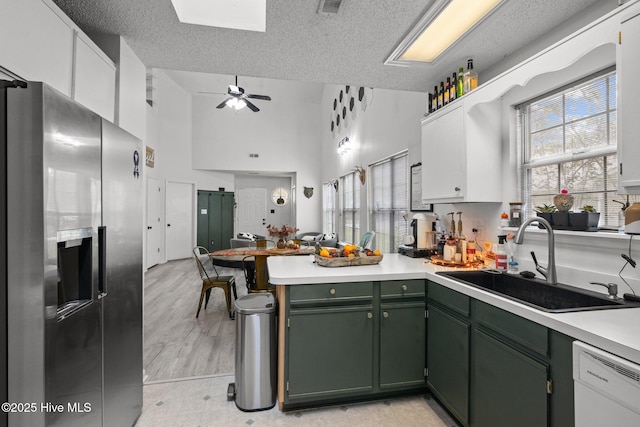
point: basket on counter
(346, 261)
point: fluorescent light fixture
(248, 15)
(443, 25)
(236, 103)
(344, 146)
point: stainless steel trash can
(256, 352)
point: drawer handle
(332, 291)
(457, 189)
(404, 288)
(385, 314)
(369, 315)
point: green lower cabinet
(402, 345)
(448, 361)
(509, 388)
(330, 353)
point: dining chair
(248, 268)
(211, 279)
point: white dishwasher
(606, 388)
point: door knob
(168, 225)
(457, 189)
(385, 314)
(149, 227)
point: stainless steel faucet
(550, 272)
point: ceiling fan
(238, 99)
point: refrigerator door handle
(102, 257)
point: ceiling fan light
(236, 103)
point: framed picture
(416, 190)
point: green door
(509, 388)
(448, 361)
(402, 345)
(215, 219)
(330, 353)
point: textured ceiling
(302, 45)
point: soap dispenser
(501, 254)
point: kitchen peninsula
(362, 333)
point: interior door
(154, 231)
(252, 210)
(179, 220)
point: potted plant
(545, 211)
(586, 220)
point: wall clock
(280, 196)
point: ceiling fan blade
(262, 97)
(223, 103)
(251, 106)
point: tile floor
(203, 402)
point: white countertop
(615, 330)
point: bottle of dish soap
(501, 254)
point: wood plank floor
(176, 344)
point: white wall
(285, 136)
(385, 123)
(169, 134)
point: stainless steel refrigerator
(71, 298)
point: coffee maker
(423, 239)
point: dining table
(257, 275)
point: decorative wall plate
(344, 112)
(335, 104)
(360, 93)
(352, 102)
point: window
(329, 207)
(569, 142)
(351, 208)
(389, 201)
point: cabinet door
(448, 361)
(444, 156)
(37, 43)
(330, 353)
(94, 79)
(628, 94)
(509, 388)
(402, 345)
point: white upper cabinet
(628, 67)
(94, 78)
(461, 154)
(37, 43)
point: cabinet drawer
(516, 328)
(331, 292)
(402, 289)
(449, 298)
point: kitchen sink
(537, 293)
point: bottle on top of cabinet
(441, 95)
(470, 77)
(434, 99)
(447, 91)
(460, 83)
(453, 90)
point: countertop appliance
(71, 262)
(606, 388)
(424, 237)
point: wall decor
(344, 112)
(341, 95)
(332, 125)
(346, 88)
(360, 93)
(151, 157)
(335, 104)
(416, 190)
(361, 173)
(352, 102)
(308, 192)
(338, 120)
(280, 196)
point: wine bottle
(460, 83)
(470, 77)
(447, 91)
(434, 99)
(441, 95)
(453, 92)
